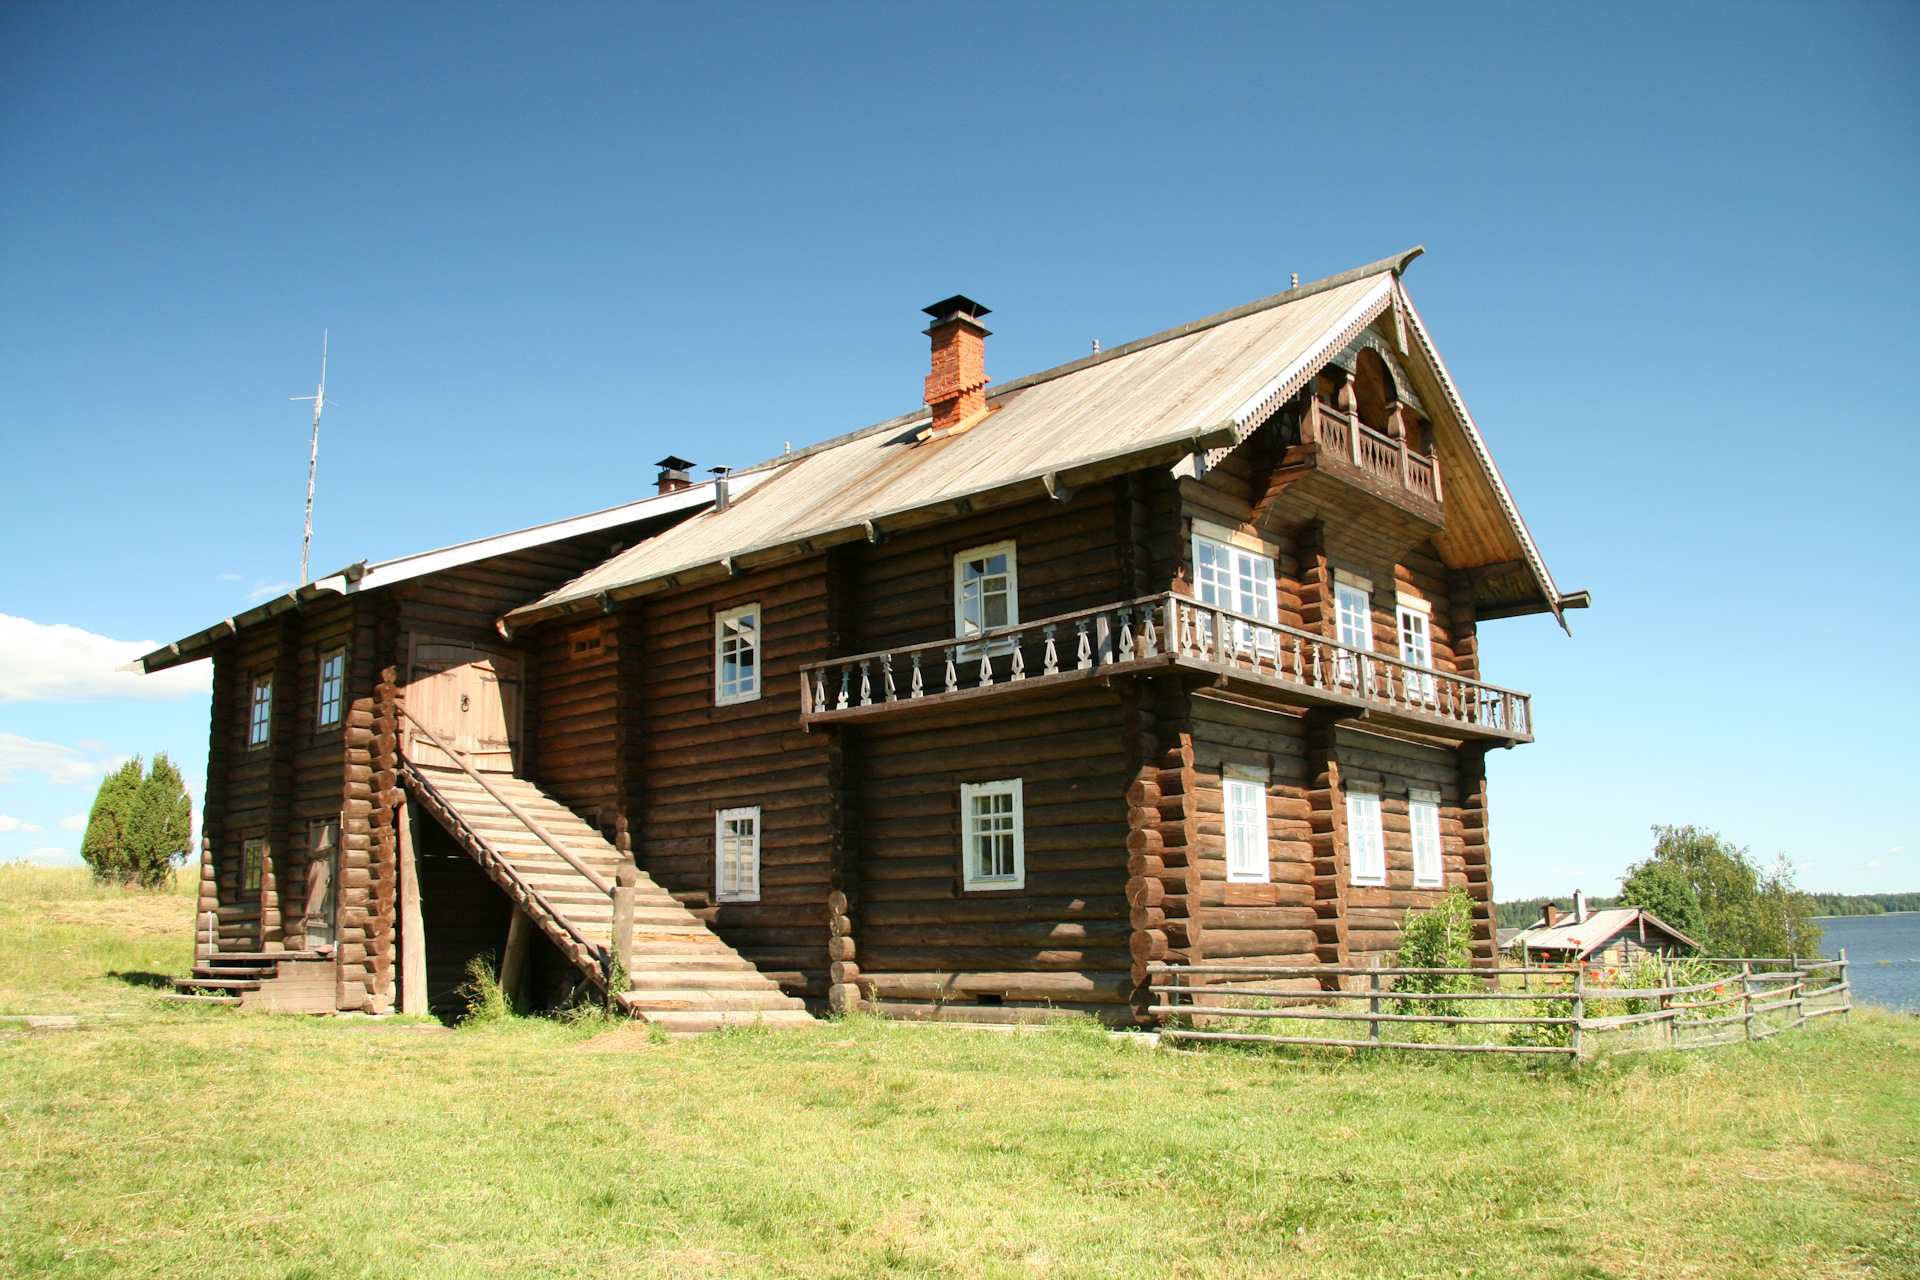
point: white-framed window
(333, 686)
(736, 852)
(1423, 814)
(260, 712)
(1234, 578)
(994, 837)
(986, 590)
(1416, 646)
(1244, 798)
(736, 655)
(1353, 623)
(1366, 845)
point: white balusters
(846, 674)
(986, 668)
(1126, 635)
(914, 690)
(1050, 663)
(1086, 645)
(1149, 639)
(1019, 665)
(953, 675)
(886, 676)
(866, 682)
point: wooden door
(469, 697)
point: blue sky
(1670, 257)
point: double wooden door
(469, 697)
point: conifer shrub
(141, 825)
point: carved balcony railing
(1154, 633)
(1344, 439)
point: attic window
(583, 642)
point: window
(736, 655)
(253, 860)
(1423, 813)
(323, 855)
(584, 642)
(1353, 614)
(1366, 850)
(1245, 800)
(995, 853)
(260, 712)
(1233, 578)
(1416, 646)
(736, 847)
(333, 684)
(985, 590)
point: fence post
(1373, 1003)
(1671, 1021)
(1574, 1037)
(1746, 996)
(627, 881)
(1846, 992)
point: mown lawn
(205, 1143)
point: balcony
(1343, 446)
(1155, 635)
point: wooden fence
(1552, 1011)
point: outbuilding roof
(1200, 388)
(1596, 931)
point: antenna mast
(319, 399)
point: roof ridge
(1397, 263)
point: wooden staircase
(270, 981)
(680, 975)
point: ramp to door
(681, 974)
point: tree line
(1711, 890)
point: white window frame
(1366, 840)
(970, 868)
(338, 702)
(1243, 590)
(1423, 816)
(960, 593)
(260, 711)
(1414, 619)
(736, 878)
(1243, 803)
(1352, 624)
(747, 690)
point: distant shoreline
(1873, 916)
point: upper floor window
(253, 861)
(260, 711)
(1416, 645)
(333, 685)
(1353, 612)
(1423, 815)
(736, 655)
(986, 590)
(584, 642)
(736, 847)
(994, 821)
(1366, 844)
(1245, 801)
(1233, 577)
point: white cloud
(226, 577)
(62, 766)
(10, 823)
(264, 589)
(58, 663)
(1896, 849)
(78, 822)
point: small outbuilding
(1614, 936)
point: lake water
(1883, 954)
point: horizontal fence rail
(1553, 1010)
(1157, 630)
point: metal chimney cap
(672, 463)
(958, 305)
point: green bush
(1438, 938)
(141, 825)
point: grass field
(206, 1143)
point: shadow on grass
(152, 981)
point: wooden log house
(1166, 654)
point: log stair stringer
(680, 975)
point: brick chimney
(1549, 914)
(956, 389)
(673, 473)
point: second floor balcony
(1380, 462)
(1263, 660)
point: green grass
(68, 945)
(208, 1143)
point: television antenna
(320, 401)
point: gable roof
(359, 577)
(1203, 386)
(1600, 928)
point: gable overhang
(362, 577)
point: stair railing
(621, 891)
